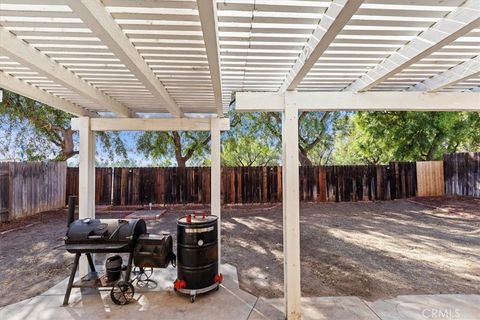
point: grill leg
(90, 262)
(70, 281)
(129, 267)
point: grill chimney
(71, 209)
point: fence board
(4, 191)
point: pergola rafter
(207, 11)
(333, 20)
(463, 71)
(18, 86)
(454, 25)
(22, 52)
(95, 16)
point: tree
(192, 147)
(249, 142)
(182, 145)
(248, 151)
(381, 137)
(49, 124)
(315, 135)
(41, 132)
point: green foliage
(183, 146)
(38, 130)
(315, 136)
(317, 132)
(113, 148)
(381, 137)
(251, 141)
(34, 131)
(247, 151)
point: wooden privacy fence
(462, 174)
(131, 186)
(27, 188)
(31, 187)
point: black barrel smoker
(197, 255)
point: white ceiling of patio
(159, 60)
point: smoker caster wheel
(122, 292)
(192, 299)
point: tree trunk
(303, 157)
(67, 146)
(433, 147)
(181, 162)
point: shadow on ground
(372, 250)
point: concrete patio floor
(230, 302)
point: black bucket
(113, 267)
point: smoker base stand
(93, 273)
(193, 292)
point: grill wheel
(122, 292)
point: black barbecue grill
(87, 236)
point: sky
(135, 158)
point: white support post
(291, 210)
(86, 168)
(215, 179)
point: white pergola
(175, 65)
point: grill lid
(104, 234)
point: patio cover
(177, 65)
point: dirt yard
(372, 250)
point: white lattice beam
(153, 124)
(102, 24)
(207, 10)
(360, 101)
(461, 72)
(333, 20)
(32, 58)
(454, 25)
(27, 90)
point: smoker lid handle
(95, 237)
(121, 223)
